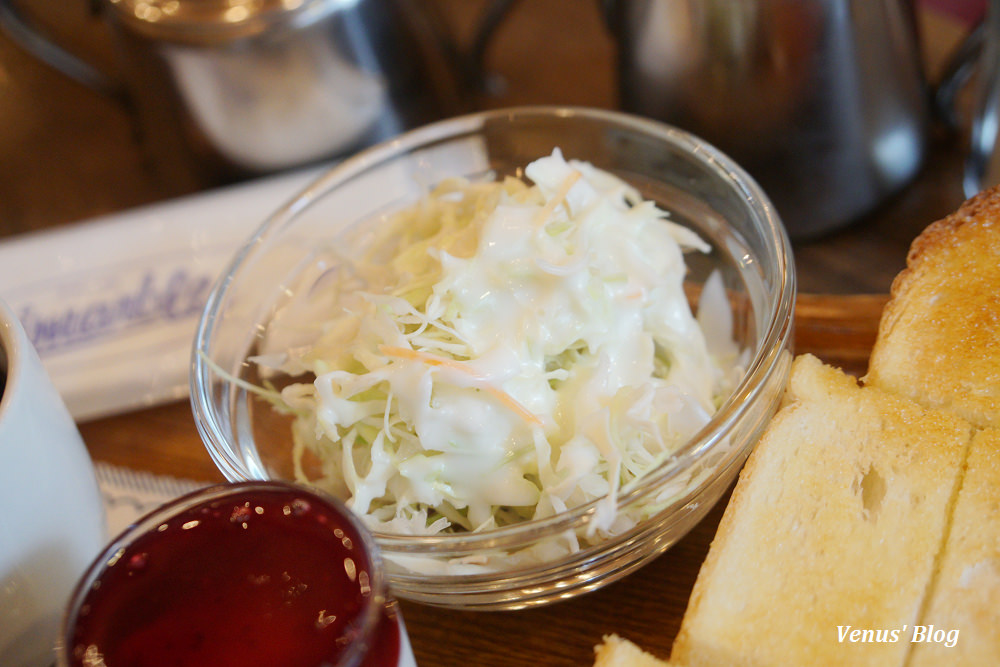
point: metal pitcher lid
(213, 20)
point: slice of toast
(940, 332)
(614, 651)
(961, 624)
(829, 541)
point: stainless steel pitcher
(823, 101)
(225, 89)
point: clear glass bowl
(697, 184)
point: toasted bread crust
(939, 332)
(615, 651)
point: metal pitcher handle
(26, 34)
(472, 62)
(957, 71)
(976, 55)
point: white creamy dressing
(515, 350)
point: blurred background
(69, 153)
(122, 196)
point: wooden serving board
(840, 330)
(645, 607)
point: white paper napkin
(129, 494)
(112, 303)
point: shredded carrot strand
(430, 360)
(559, 196)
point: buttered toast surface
(834, 527)
(939, 338)
(965, 595)
(865, 527)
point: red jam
(268, 575)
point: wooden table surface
(67, 154)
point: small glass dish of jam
(255, 573)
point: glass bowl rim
(773, 339)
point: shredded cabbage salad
(500, 352)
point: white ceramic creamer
(51, 515)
